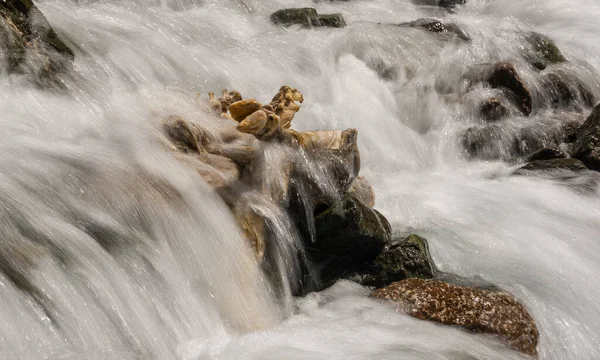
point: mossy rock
(545, 52)
(307, 17)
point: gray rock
(587, 146)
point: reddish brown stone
(478, 310)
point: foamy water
(133, 257)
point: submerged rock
(566, 90)
(587, 146)
(29, 42)
(477, 310)
(348, 238)
(544, 51)
(437, 26)
(307, 17)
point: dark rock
(30, 42)
(447, 4)
(307, 17)
(570, 128)
(544, 51)
(483, 311)
(437, 26)
(551, 165)
(348, 238)
(587, 146)
(504, 76)
(493, 110)
(547, 154)
(408, 258)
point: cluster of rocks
(332, 211)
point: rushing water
(126, 254)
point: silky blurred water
(131, 255)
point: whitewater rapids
(132, 257)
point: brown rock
(504, 75)
(493, 110)
(478, 310)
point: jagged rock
(307, 17)
(477, 310)
(437, 26)
(551, 165)
(493, 110)
(546, 154)
(29, 42)
(587, 146)
(544, 51)
(349, 236)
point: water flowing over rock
(544, 51)
(438, 26)
(587, 146)
(552, 165)
(478, 310)
(29, 44)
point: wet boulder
(29, 43)
(477, 310)
(587, 146)
(493, 109)
(349, 236)
(307, 17)
(438, 26)
(549, 153)
(566, 90)
(405, 258)
(543, 51)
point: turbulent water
(125, 253)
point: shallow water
(134, 258)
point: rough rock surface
(493, 110)
(587, 146)
(505, 76)
(478, 310)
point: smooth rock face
(26, 35)
(478, 310)
(587, 146)
(307, 17)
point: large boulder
(587, 146)
(478, 310)
(28, 41)
(307, 17)
(348, 237)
